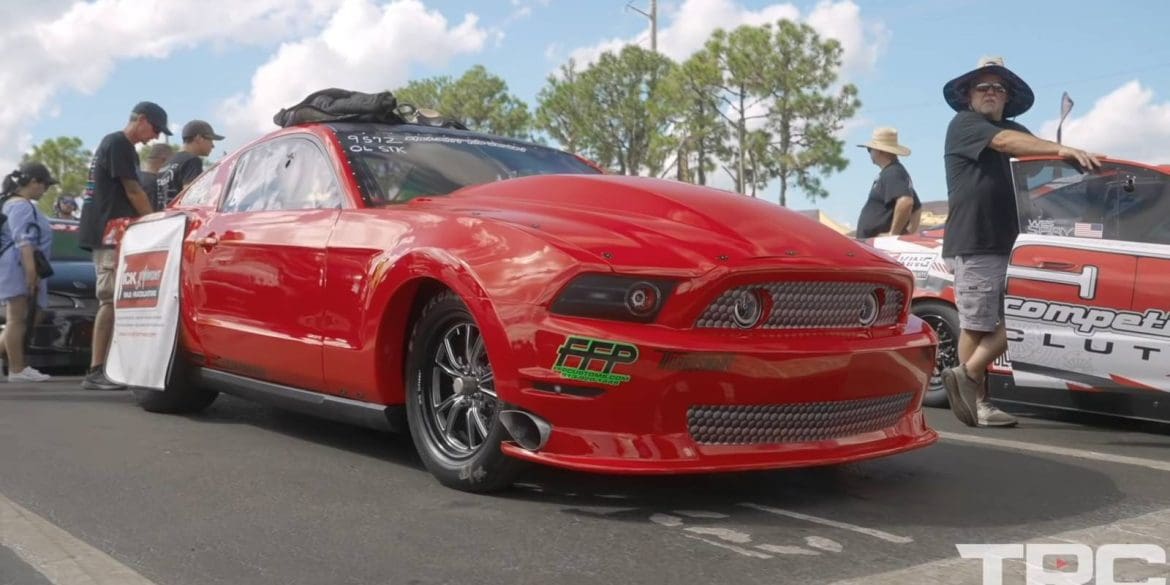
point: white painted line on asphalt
(1152, 528)
(700, 514)
(666, 520)
(1053, 450)
(835, 524)
(722, 533)
(61, 558)
(787, 550)
(825, 544)
(739, 549)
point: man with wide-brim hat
(892, 205)
(982, 225)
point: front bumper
(656, 401)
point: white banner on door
(146, 303)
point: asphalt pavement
(93, 490)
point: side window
(282, 175)
(1053, 198)
(254, 181)
(1117, 202)
(1143, 209)
(304, 179)
(200, 193)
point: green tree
(68, 160)
(478, 99)
(805, 111)
(699, 129)
(425, 93)
(616, 111)
(737, 56)
(565, 111)
(635, 116)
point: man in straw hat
(893, 204)
(982, 225)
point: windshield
(395, 166)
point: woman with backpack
(26, 241)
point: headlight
(622, 298)
(871, 307)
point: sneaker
(96, 380)
(961, 393)
(28, 374)
(990, 416)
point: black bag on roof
(331, 105)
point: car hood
(641, 222)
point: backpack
(4, 217)
(330, 105)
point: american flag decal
(1088, 230)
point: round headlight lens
(642, 298)
(870, 307)
(748, 309)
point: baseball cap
(39, 172)
(155, 114)
(199, 128)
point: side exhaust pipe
(528, 430)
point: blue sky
(84, 64)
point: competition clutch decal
(141, 280)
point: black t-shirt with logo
(114, 160)
(981, 214)
(877, 215)
(179, 170)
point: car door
(259, 264)
(1070, 311)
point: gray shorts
(980, 284)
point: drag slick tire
(944, 319)
(180, 395)
(451, 402)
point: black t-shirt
(981, 214)
(113, 161)
(877, 215)
(179, 170)
(149, 182)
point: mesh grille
(794, 423)
(808, 305)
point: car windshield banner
(146, 303)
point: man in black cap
(982, 226)
(187, 164)
(113, 192)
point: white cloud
(862, 42)
(1126, 123)
(553, 52)
(363, 47)
(53, 44)
(685, 30)
(522, 9)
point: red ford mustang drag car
(507, 302)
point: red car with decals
(508, 303)
(1087, 316)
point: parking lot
(96, 491)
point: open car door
(1088, 294)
